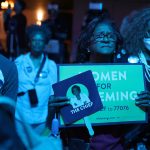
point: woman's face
(103, 40)
(146, 39)
(75, 91)
(37, 42)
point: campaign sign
(118, 85)
(83, 94)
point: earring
(88, 50)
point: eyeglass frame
(111, 36)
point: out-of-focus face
(17, 6)
(147, 43)
(37, 43)
(103, 40)
(146, 39)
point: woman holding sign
(100, 42)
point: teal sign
(118, 86)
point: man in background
(56, 47)
(15, 27)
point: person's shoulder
(83, 94)
(6, 65)
(50, 61)
(24, 16)
(20, 17)
(21, 58)
(73, 99)
(5, 61)
(45, 22)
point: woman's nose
(105, 38)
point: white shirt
(26, 75)
(76, 103)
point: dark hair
(75, 87)
(85, 36)
(133, 37)
(33, 29)
(95, 13)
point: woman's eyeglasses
(102, 36)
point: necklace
(147, 67)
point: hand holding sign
(143, 99)
(58, 101)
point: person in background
(94, 9)
(56, 47)
(2, 50)
(8, 78)
(138, 47)
(15, 27)
(137, 42)
(126, 22)
(36, 74)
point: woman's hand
(143, 99)
(58, 101)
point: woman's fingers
(143, 99)
(59, 101)
(59, 104)
(144, 103)
(143, 94)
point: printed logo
(29, 69)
